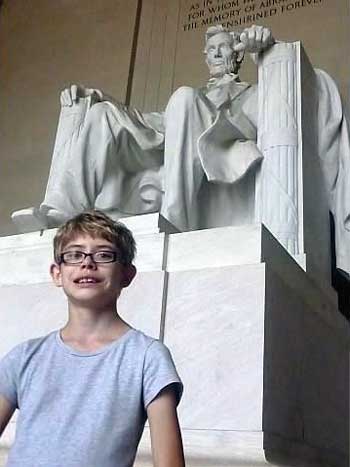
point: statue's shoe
(32, 219)
(29, 220)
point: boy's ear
(55, 272)
(128, 275)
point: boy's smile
(87, 280)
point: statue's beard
(227, 66)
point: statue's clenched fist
(255, 39)
(73, 93)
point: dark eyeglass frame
(115, 257)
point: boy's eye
(104, 255)
(73, 255)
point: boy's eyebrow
(101, 246)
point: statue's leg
(114, 144)
(187, 116)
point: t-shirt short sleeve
(9, 367)
(159, 372)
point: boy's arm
(6, 412)
(167, 450)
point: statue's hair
(217, 29)
(96, 224)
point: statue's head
(221, 56)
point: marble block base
(261, 348)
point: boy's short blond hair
(96, 224)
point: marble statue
(204, 145)
(126, 162)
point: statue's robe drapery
(123, 161)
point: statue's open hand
(255, 39)
(71, 95)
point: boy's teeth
(86, 279)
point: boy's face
(91, 283)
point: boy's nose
(88, 262)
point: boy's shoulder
(37, 342)
(32, 344)
(141, 338)
(149, 351)
(154, 350)
(143, 342)
(150, 344)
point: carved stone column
(278, 192)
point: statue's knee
(183, 98)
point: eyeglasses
(77, 257)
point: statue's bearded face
(220, 54)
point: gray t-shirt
(83, 409)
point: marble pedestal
(261, 348)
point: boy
(85, 391)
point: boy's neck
(89, 329)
